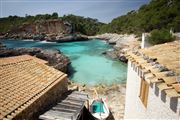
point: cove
(88, 65)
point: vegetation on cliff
(157, 14)
(11, 22)
(87, 26)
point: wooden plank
(64, 106)
(142, 90)
(70, 103)
(58, 114)
(73, 101)
(46, 117)
(77, 98)
(68, 110)
(49, 117)
(146, 94)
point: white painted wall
(143, 41)
(156, 108)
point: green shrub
(160, 36)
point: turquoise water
(88, 65)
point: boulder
(111, 54)
(39, 37)
(54, 57)
(123, 59)
(69, 38)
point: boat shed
(28, 87)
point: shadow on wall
(173, 101)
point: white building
(153, 89)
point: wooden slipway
(68, 109)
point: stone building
(28, 87)
(153, 83)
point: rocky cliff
(54, 57)
(50, 30)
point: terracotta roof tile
(22, 79)
(22, 59)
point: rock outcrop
(50, 30)
(54, 57)
(121, 44)
(68, 38)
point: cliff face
(50, 30)
(41, 30)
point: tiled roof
(160, 64)
(22, 81)
(16, 59)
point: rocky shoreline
(59, 31)
(47, 37)
(54, 57)
(121, 44)
(113, 95)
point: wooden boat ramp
(71, 108)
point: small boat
(99, 108)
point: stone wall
(44, 102)
(159, 106)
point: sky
(103, 10)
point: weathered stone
(69, 38)
(123, 58)
(49, 30)
(111, 54)
(121, 44)
(54, 57)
